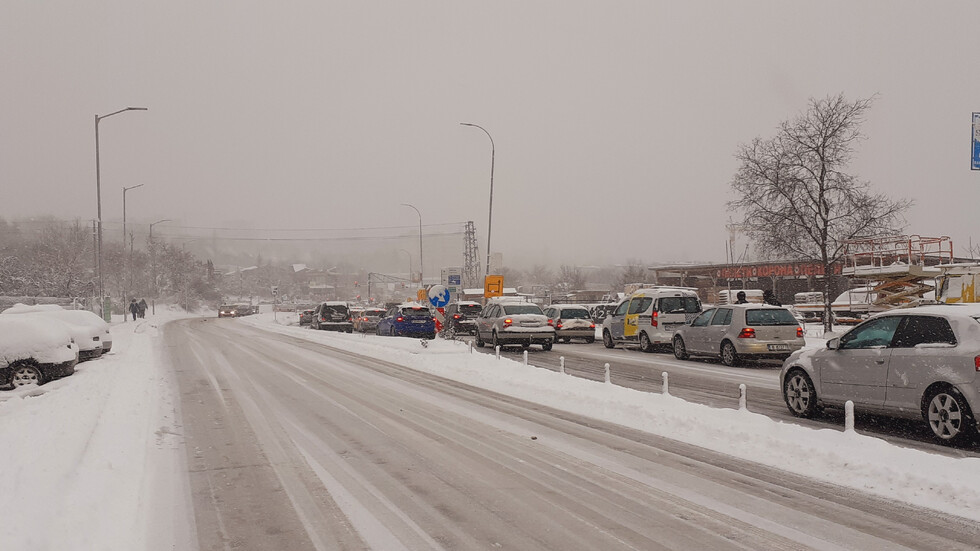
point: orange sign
(423, 296)
(493, 286)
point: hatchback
(740, 331)
(408, 320)
(912, 363)
(333, 316)
(461, 317)
(520, 323)
(367, 320)
(571, 322)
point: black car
(461, 317)
(333, 316)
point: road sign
(439, 296)
(976, 142)
(275, 290)
(493, 286)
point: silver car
(571, 321)
(740, 331)
(520, 323)
(906, 363)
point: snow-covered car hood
(24, 337)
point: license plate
(778, 347)
(419, 321)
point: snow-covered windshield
(770, 316)
(575, 314)
(470, 309)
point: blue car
(408, 320)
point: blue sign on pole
(976, 141)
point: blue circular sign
(439, 295)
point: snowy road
(292, 444)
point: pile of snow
(846, 458)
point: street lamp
(421, 278)
(490, 218)
(409, 262)
(98, 196)
(125, 189)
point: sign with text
(789, 269)
(493, 286)
(976, 142)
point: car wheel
(800, 394)
(547, 346)
(589, 340)
(645, 344)
(729, 356)
(26, 374)
(680, 351)
(948, 415)
(607, 340)
(479, 340)
(494, 341)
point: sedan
(33, 351)
(408, 320)
(911, 363)
(740, 331)
(520, 323)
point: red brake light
(799, 331)
(976, 362)
(456, 316)
(653, 318)
(747, 333)
(551, 321)
(364, 319)
(399, 318)
(558, 325)
(508, 322)
(592, 326)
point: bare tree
(795, 194)
(634, 272)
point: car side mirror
(833, 344)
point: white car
(90, 332)
(34, 351)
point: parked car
(86, 334)
(34, 351)
(461, 317)
(571, 322)
(910, 363)
(77, 317)
(649, 316)
(333, 316)
(306, 316)
(501, 323)
(410, 319)
(367, 320)
(740, 331)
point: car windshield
(332, 309)
(226, 307)
(770, 316)
(575, 314)
(374, 313)
(415, 311)
(513, 309)
(680, 305)
(470, 308)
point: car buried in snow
(34, 351)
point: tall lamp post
(98, 196)
(125, 189)
(421, 278)
(153, 262)
(490, 217)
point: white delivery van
(648, 317)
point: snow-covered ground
(94, 461)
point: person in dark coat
(142, 308)
(770, 298)
(740, 298)
(134, 308)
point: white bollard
(497, 348)
(607, 374)
(666, 390)
(471, 346)
(741, 397)
(848, 416)
(561, 364)
(525, 358)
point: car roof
(468, 303)
(967, 310)
(568, 307)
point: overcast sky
(615, 123)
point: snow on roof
(25, 337)
(299, 268)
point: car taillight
(508, 322)
(747, 333)
(592, 326)
(799, 331)
(558, 325)
(364, 319)
(976, 362)
(551, 321)
(456, 316)
(653, 318)
(399, 318)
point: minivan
(649, 316)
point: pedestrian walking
(142, 308)
(741, 298)
(770, 298)
(134, 308)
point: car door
(858, 369)
(617, 319)
(716, 330)
(923, 351)
(631, 325)
(483, 322)
(694, 334)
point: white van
(649, 316)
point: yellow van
(648, 317)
